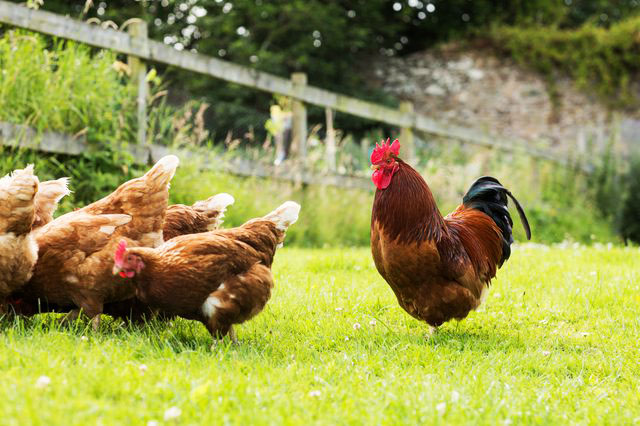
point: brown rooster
(438, 267)
(75, 253)
(219, 278)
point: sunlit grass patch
(555, 343)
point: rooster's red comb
(120, 251)
(381, 151)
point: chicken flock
(133, 256)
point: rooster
(219, 278)
(74, 265)
(438, 267)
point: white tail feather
(55, 189)
(285, 215)
(220, 202)
(6, 180)
(168, 163)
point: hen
(74, 266)
(202, 216)
(438, 267)
(18, 249)
(219, 278)
(46, 201)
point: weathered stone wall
(478, 89)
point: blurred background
(542, 94)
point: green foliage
(63, 86)
(71, 88)
(603, 61)
(559, 203)
(330, 216)
(630, 215)
(93, 175)
(554, 343)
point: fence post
(331, 140)
(407, 142)
(364, 147)
(138, 30)
(299, 143)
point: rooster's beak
(375, 167)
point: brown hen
(74, 269)
(18, 249)
(202, 216)
(219, 278)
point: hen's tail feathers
(215, 207)
(17, 192)
(46, 201)
(162, 172)
(285, 215)
(489, 196)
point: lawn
(555, 343)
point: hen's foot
(70, 317)
(95, 322)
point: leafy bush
(63, 86)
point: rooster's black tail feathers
(490, 197)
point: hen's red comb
(120, 251)
(380, 152)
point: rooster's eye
(389, 161)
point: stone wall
(480, 90)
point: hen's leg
(232, 335)
(95, 322)
(70, 317)
(91, 308)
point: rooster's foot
(432, 331)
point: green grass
(555, 343)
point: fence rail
(137, 45)
(20, 136)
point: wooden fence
(140, 48)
